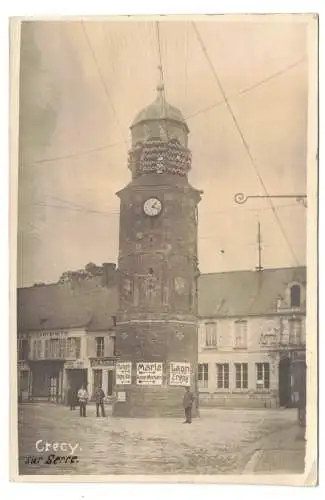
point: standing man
(83, 399)
(187, 404)
(99, 398)
(71, 398)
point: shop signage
(74, 365)
(56, 334)
(179, 373)
(123, 372)
(102, 362)
(149, 373)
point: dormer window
(295, 296)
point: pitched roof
(240, 293)
(92, 306)
(59, 306)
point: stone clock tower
(156, 338)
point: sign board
(123, 372)
(55, 334)
(74, 365)
(121, 396)
(102, 362)
(149, 373)
(179, 373)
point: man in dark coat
(99, 398)
(71, 398)
(187, 404)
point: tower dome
(159, 110)
(159, 140)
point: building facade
(156, 334)
(251, 333)
(66, 337)
(251, 339)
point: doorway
(53, 385)
(284, 383)
(110, 382)
(77, 378)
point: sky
(81, 85)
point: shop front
(102, 374)
(24, 381)
(47, 380)
(76, 376)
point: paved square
(219, 442)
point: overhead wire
(73, 155)
(102, 79)
(80, 208)
(62, 200)
(74, 209)
(245, 144)
(186, 62)
(248, 89)
(160, 59)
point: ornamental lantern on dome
(159, 140)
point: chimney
(109, 274)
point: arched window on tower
(295, 296)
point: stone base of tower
(154, 402)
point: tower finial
(160, 87)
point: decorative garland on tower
(160, 157)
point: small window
(24, 380)
(23, 349)
(241, 375)
(211, 334)
(203, 375)
(295, 296)
(262, 375)
(37, 349)
(295, 332)
(241, 334)
(222, 375)
(77, 341)
(99, 347)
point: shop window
(241, 375)
(203, 375)
(295, 293)
(97, 378)
(223, 375)
(110, 382)
(262, 375)
(99, 347)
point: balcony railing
(272, 342)
(42, 356)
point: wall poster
(180, 373)
(123, 372)
(149, 373)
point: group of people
(81, 398)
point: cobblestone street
(219, 442)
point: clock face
(152, 207)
